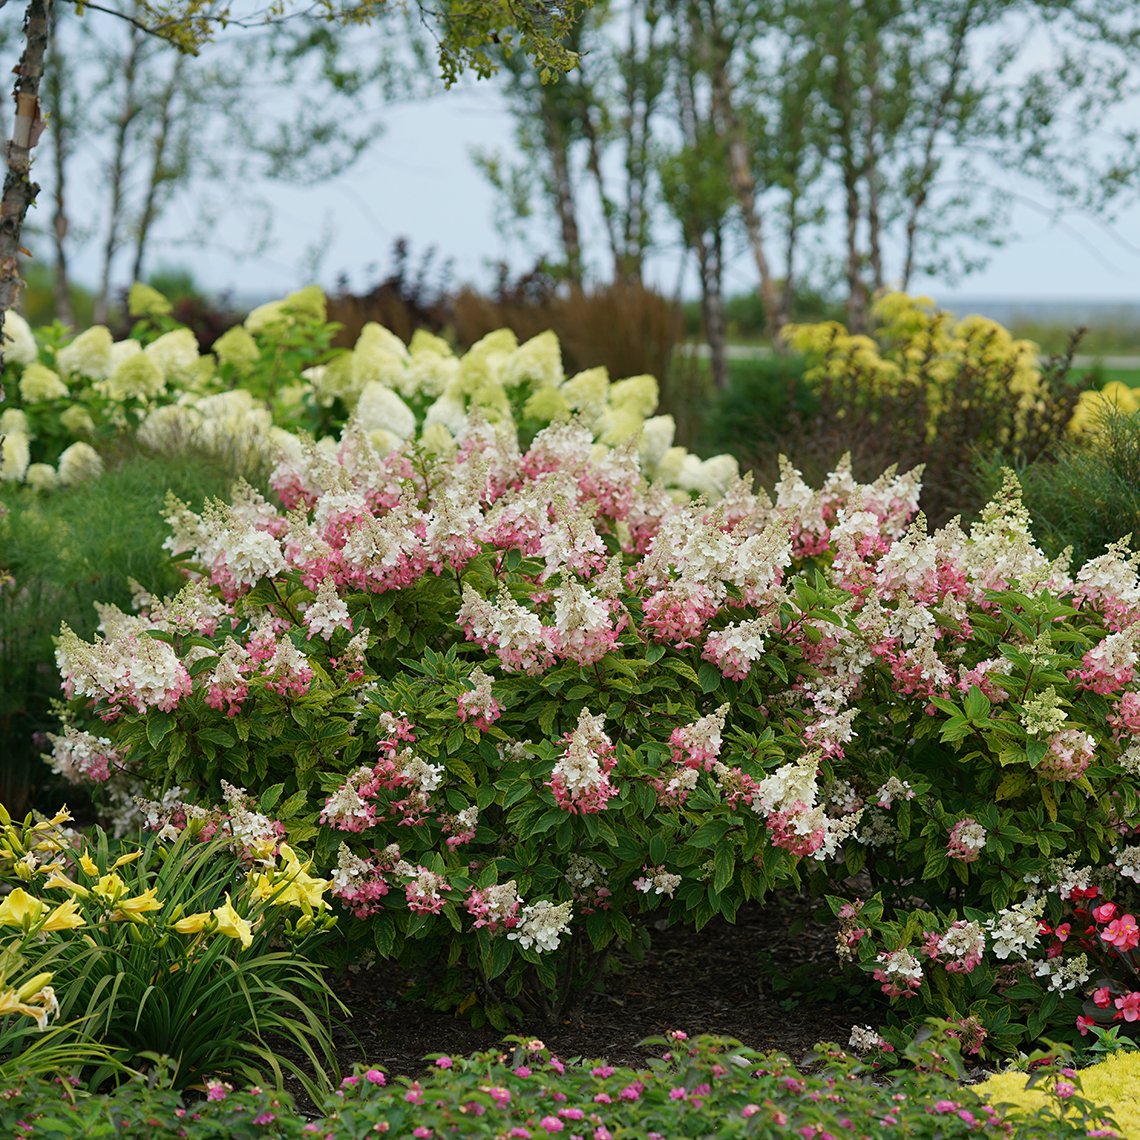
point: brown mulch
(727, 979)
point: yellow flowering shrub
(913, 344)
(1095, 404)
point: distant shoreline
(1011, 310)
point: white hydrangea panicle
(41, 476)
(15, 456)
(515, 634)
(542, 925)
(537, 361)
(709, 478)
(89, 354)
(1015, 930)
(381, 409)
(1127, 862)
(791, 783)
(77, 420)
(582, 630)
(14, 421)
(617, 425)
(19, 341)
(378, 356)
(79, 463)
(698, 745)
(1111, 581)
(637, 393)
(580, 779)
(758, 563)
(448, 411)
(39, 384)
(327, 612)
(235, 551)
(1001, 550)
(658, 881)
(737, 647)
(588, 392)
(176, 356)
(81, 756)
(570, 540)
(657, 435)
(135, 376)
(893, 789)
(1064, 974)
(123, 350)
(482, 365)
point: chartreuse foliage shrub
(517, 703)
(915, 347)
(176, 950)
(702, 1087)
(927, 388)
(1113, 1081)
(65, 406)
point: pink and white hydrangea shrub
(501, 660)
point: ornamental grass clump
(518, 703)
(1087, 494)
(55, 565)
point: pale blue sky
(417, 180)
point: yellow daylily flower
(291, 885)
(123, 860)
(261, 850)
(66, 916)
(55, 879)
(33, 985)
(232, 925)
(138, 904)
(110, 888)
(89, 865)
(194, 923)
(35, 990)
(20, 909)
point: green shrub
(766, 396)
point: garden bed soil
(727, 979)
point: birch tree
(468, 35)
